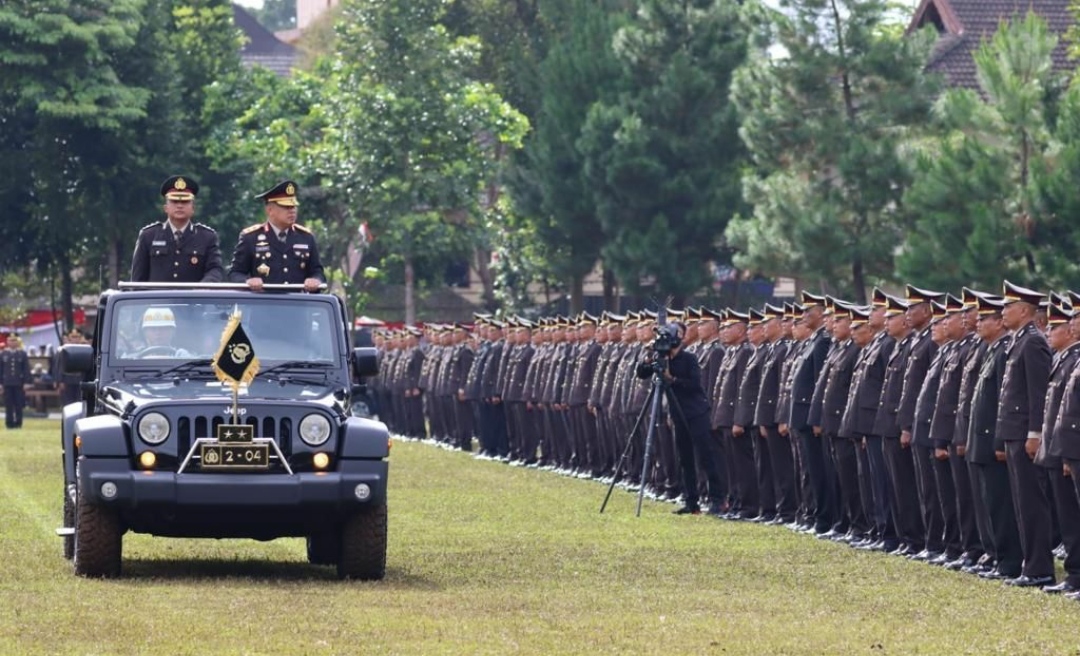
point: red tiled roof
(964, 24)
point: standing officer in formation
(16, 367)
(941, 428)
(177, 249)
(279, 250)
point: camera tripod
(659, 390)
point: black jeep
(157, 445)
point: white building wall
(308, 10)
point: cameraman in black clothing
(682, 377)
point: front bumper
(263, 506)
(134, 488)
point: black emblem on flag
(235, 361)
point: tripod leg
(626, 451)
(654, 419)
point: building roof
(964, 24)
(261, 47)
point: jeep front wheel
(363, 545)
(69, 522)
(98, 540)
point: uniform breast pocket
(159, 251)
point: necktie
(177, 234)
(281, 236)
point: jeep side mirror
(76, 358)
(366, 361)
(357, 391)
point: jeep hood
(134, 394)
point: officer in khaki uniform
(278, 251)
(177, 249)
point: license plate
(235, 456)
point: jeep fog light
(321, 460)
(154, 428)
(108, 490)
(362, 492)
(147, 459)
(315, 429)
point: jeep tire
(363, 545)
(69, 522)
(98, 540)
(324, 548)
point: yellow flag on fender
(235, 360)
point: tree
(411, 137)
(823, 126)
(663, 157)
(992, 196)
(550, 185)
(63, 92)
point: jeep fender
(365, 438)
(72, 412)
(102, 437)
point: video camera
(667, 338)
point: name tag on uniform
(300, 247)
(157, 243)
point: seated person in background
(158, 328)
(40, 378)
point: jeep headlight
(315, 429)
(153, 428)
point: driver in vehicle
(158, 328)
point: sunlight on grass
(484, 558)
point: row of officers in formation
(180, 250)
(938, 427)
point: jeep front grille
(190, 428)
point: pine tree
(824, 124)
(663, 157)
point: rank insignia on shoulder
(251, 229)
(301, 228)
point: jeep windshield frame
(282, 328)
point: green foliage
(824, 125)
(663, 157)
(549, 183)
(991, 196)
(411, 136)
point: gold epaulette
(301, 228)
(253, 228)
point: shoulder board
(251, 229)
(152, 225)
(301, 228)
(204, 227)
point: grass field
(484, 558)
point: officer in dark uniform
(177, 249)
(921, 355)
(1019, 424)
(986, 451)
(15, 366)
(901, 467)
(279, 251)
(1066, 355)
(804, 374)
